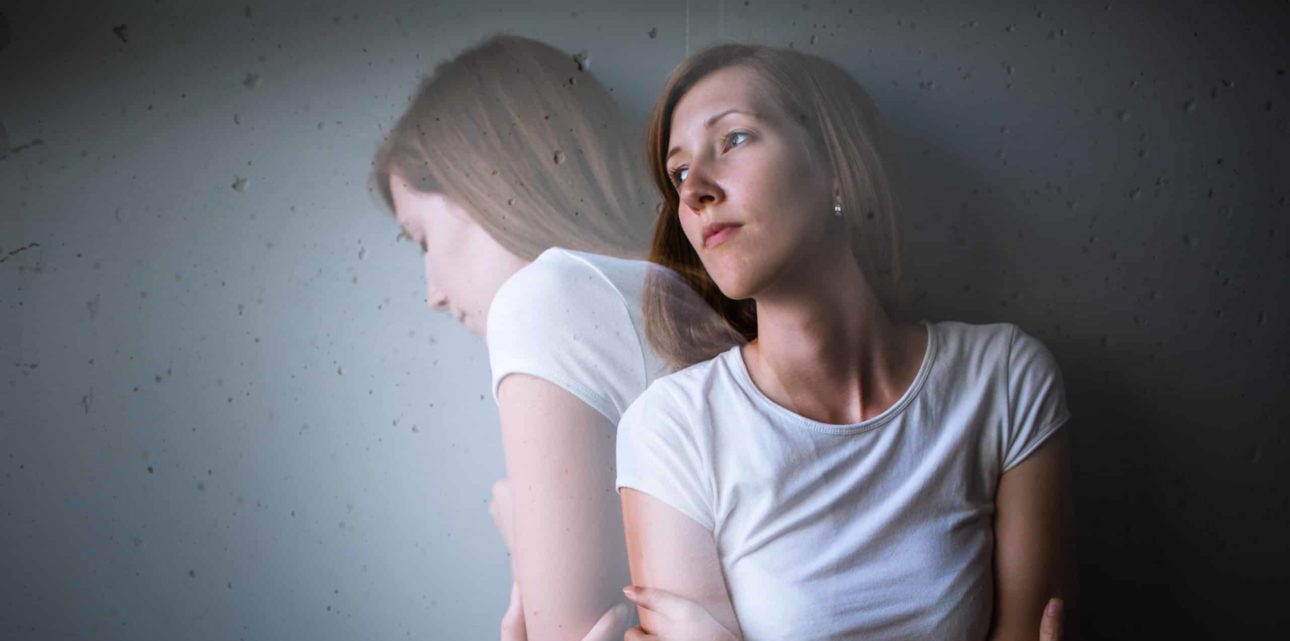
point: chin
(736, 279)
(473, 327)
(734, 288)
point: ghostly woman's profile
(517, 175)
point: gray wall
(226, 413)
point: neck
(827, 350)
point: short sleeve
(1036, 397)
(561, 320)
(663, 455)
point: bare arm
(668, 550)
(566, 529)
(1031, 527)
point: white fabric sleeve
(660, 454)
(561, 320)
(1036, 397)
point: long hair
(840, 121)
(530, 144)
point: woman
(513, 170)
(846, 473)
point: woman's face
(464, 266)
(755, 203)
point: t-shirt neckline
(740, 369)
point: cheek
(466, 262)
(790, 202)
(770, 189)
(689, 225)
(440, 266)
(432, 269)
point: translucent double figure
(713, 407)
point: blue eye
(732, 139)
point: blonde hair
(840, 120)
(527, 141)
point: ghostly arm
(566, 528)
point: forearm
(1032, 558)
(566, 526)
(568, 582)
(669, 551)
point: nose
(435, 299)
(700, 189)
(437, 302)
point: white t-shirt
(877, 530)
(574, 319)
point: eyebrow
(712, 121)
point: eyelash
(674, 174)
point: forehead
(410, 206)
(736, 87)
(399, 198)
(418, 211)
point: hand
(608, 628)
(1050, 626)
(676, 618)
(501, 506)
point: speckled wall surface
(226, 414)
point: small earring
(837, 209)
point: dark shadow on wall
(1178, 425)
(1180, 532)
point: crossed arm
(567, 531)
(669, 551)
(566, 536)
(1031, 539)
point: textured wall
(225, 412)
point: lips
(716, 233)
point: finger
(609, 625)
(660, 601)
(513, 628)
(639, 634)
(1050, 626)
